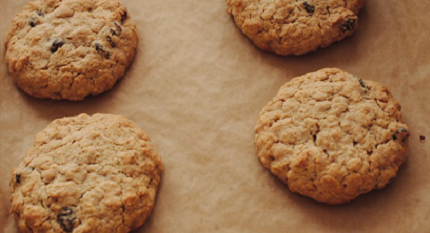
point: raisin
(39, 13)
(33, 22)
(112, 44)
(118, 27)
(124, 17)
(66, 219)
(18, 178)
(113, 32)
(349, 25)
(402, 133)
(402, 130)
(309, 8)
(361, 82)
(56, 45)
(98, 46)
(101, 51)
(422, 138)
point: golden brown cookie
(69, 49)
(332, 136)
(95, 173)
(290, 27)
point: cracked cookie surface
(69, 49)
(290, 27)
(332, 136)
(95, 173)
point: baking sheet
(197, 86)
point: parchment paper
(196, 87)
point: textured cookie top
(332, 136)
(69, 49)
(290, 27)
(95, 173)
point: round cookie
(290, 27)
(332, 136)
(95, 173)
(69, 49)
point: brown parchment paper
(197, 86)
